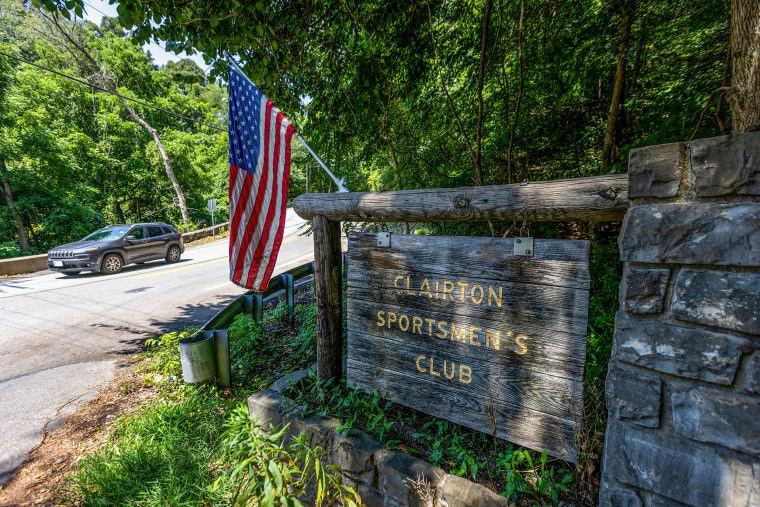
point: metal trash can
(198, 356)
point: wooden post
(328, 281)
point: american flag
(259, 173)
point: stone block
(644, 289)
(633, 397)
(651, 461)
(726, 165)
(718, 298)
(372, 498)
(612, 494)
(456, 491)
(692, 233)
(354, 454)
(747, 483)
(661, 501)
(752, 368)
(397, 470)
(284, 383)
(687, 352)
(718, 417)
(655, 171)
(269, 408)
(320, 431)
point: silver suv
(111, 248)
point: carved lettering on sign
(462, 329)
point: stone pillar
(683, 389)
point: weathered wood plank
(462, 329)
(554, 353)
(328, 282)
(529, 428)
(554, 262)
(557, 308)
(512, 387)
(594, 199)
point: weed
(269, 473)
(538, 480)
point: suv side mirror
(131, 238)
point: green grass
(161, 455)
(197, 445)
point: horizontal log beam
(593, 199)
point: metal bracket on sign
(384, 239)
(524, 247)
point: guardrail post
(222, 345)
(258, 308)
(287, 282)
(328, 282)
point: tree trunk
(165, 157)
(481, 77)
(119, 213)
(744, 95)
(328, 286)
(618, 90)
(519, 93)
(22, 241)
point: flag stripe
(275, 250)
(273, 203)
(260, 137)
(276, 226)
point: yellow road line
(196, 265)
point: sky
(96, 9)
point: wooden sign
(462, 329)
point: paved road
(61, 337)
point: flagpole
(340, 182)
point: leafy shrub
(270, 473)
(246, 336)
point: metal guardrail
(206, 354)
(253, 304)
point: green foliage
(538, 480)
(270, 473)
(246, 337)
(159, 455)
(75, 158)
(606, 273)
(163, 352)
(456, 449)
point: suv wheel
(173, 254)
(111, 264)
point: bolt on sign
(463, 329)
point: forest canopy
(392, 95)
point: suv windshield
(107, 234)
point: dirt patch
(40, 480)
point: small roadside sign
(212, 204)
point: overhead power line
(99, 88)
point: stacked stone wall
(683, 389)
(383, 478)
